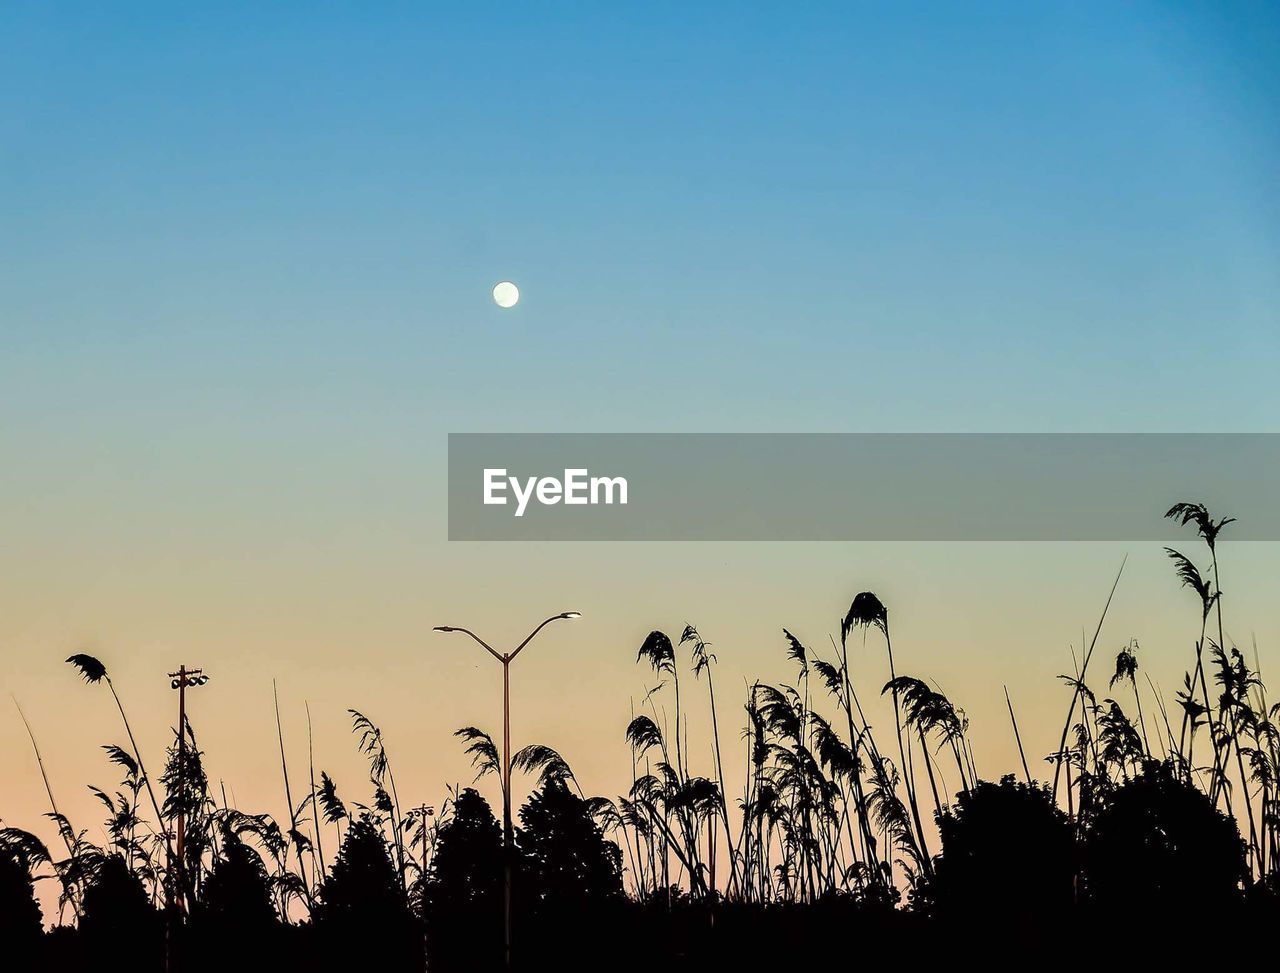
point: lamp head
(570, 615)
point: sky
(245, 262)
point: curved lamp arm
(466, 631)
(553, 618)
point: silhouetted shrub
(20, 916)
(362, 915)
(118, 917)
(571, 886)
(116, 908)
(1158, 844)
(567, 859)
(467, 867)
(1006, 855)
(237, 893)
(464, 887)
(235, 919)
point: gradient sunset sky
(245, 262)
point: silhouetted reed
(828, 817)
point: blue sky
(245, 261)
(933, 216)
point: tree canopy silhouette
(464, 886)
(467, 868)
(237, 893)
(1006, 855)
(235, 920)
(1158, 843)
(117, 915)
(364, 894)
(20, 914)
(566, 857)
(363, 881)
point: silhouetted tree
(363, 880)
(236, 918)
(21, 921)
(571, 888)
(467, 867)
(464, 887)
(363, 913)
(567, 858)
(237, 893)
(1006, 854)
(1158, 843)
(118, 916)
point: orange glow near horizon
(356, 634)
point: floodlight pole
(180, 680)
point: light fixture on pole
(181, 680)
(506, 658)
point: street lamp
(506, 658)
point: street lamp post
(506, 658)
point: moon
(505, 294)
